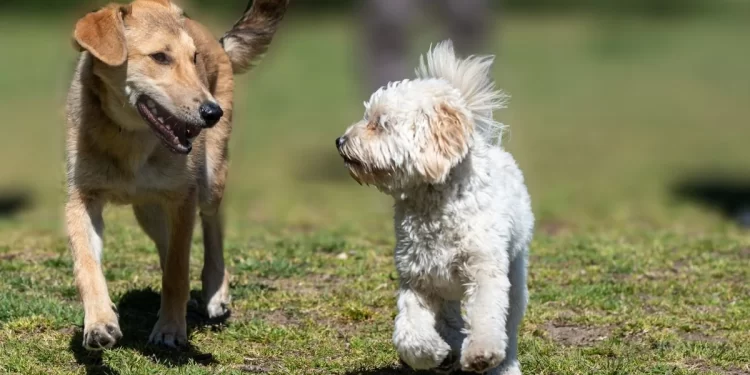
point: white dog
(463, 215)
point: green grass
(606, 119)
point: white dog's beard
(366, 176)
(390, 182)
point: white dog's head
(415, 131)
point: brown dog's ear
(166, 3)
(451, 138)
(102, 33)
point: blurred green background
(608, 106)
(641, 7)
(620, 111)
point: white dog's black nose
(210, 113)
(340, 142)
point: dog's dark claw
(449, 364)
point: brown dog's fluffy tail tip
(249, 38)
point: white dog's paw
(218, 306)
(482, 355)
(420, 351)
(512, 368)
(216, 295)
(169, 334)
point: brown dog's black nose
(210, 113)
(340, 142)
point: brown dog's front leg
(214, 276)
(171, 328)
(85, 226)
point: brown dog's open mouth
(175, 134)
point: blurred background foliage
(659, 8)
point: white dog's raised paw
(481, 358)
(168, 334)
(509, 368)
(218, 303)
(428, 355)
(217, 309)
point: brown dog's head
(149, 67)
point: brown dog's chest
(152, 183)
(155, 176)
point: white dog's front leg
(417, 341)
(486, 303)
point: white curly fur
(472, 77)
(463, 219)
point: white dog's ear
(450, 140)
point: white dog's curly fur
(463, 215)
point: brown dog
(149, 84)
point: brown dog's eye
(161, 58)
(195, 58)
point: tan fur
(102, 33)
(451, 133)
(114, 157)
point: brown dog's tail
(248, 40)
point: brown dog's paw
(169, 334)
(100, 336)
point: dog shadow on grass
(13, 201)
(391, 370)
(137, 312)
(724, 193)
(403, 369)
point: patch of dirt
(553, 227)
(255, 366)
(703, 366)
(679, 270)
(9, 256)
(311, 284)
(280, 318)
(254, 369)
(573, 335)
(30, 255)
(696, 336)
(681, 265)
(70, 330)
